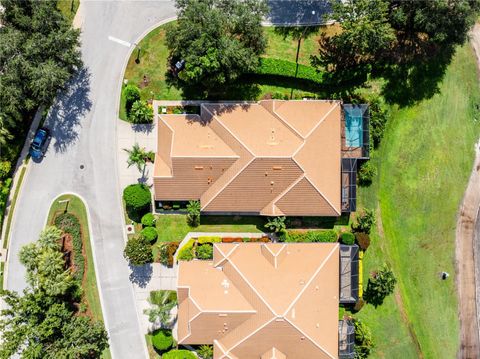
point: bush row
(70, 224)
(284, 68)
(292, 236)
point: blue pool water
(354, 127)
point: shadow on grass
(317, 222)
(257, 221)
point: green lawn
(12, 206)
(77, 207)
(153, 65)
(68, 8)
(424, 163)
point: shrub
(205, 251)
(380, 284)
(5, 168)
(364, 221)
(363, 240)
(309, 236)
(347, 238)
(150, 234)
(378, 119)
(363, 340)
(204, 240)
(141, 112)
(132, 94)
(284, 68)
(138, 251)
(148, 220)
(276, 224)
(138, 200)
(193, 210)
(162, 339)
(186, 252)
(366, 173)
(179, 354)
(322, 236)
(205, 351)
(70, 224)
(166, 253)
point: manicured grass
(173, 228)
(2, 268)
(68, 8)
(89, 285)
(424, 163)
(153, 65)
(151, 350)
(12, 207)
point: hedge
(70, 224)
(162, 339)
(179, 354)
(186, 253)
(284, 68)
(309, 236)
(150, 234)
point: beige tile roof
(264, 301)
(266, 150)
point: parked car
(37, 147)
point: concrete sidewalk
(127, 135)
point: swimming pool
(354, 127)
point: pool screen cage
(346, 339)
(349, 274)
(349, 185)
(356, 131)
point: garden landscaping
(275, 77)
(72, 219)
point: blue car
(38, 143)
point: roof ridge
(321, 194)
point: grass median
(76, 207)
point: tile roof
(262, 300)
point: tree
(43, 322)
(366, 173)
(276, 224)
(364, 221)
(138, 251)
(45, 264)
(141, 112)
(381, 284)
(365, 34)
(136, 156)
(218, 39)
(161, 308)
(193, 210)
(38, 55)
(131, 94)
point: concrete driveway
(82, 158)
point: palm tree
(50, 238)
(136, 156)
(161, 309)
(193, 209)
(141, 112)
(276, 224)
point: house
(271, 158)
(265, 300)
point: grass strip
(12, 206)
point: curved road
(82, 159)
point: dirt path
(465, 265)
(465, 253)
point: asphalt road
(82, 159)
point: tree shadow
(411, 82)
(145, 128)
(141, 275)
(65, 114)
